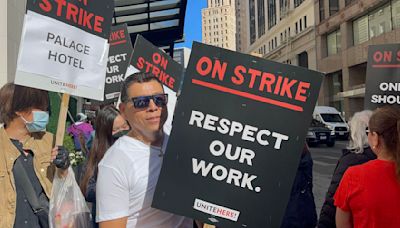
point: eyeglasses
(143, 102)
(367, 130)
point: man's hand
(60, 157)
(116, 223)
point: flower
(76, 158)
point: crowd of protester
(124, 153)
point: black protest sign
(237, 136)
(119, 57)
(148, 58)
(89, 15)
(383, 76)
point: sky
(192, 27)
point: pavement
(325, 160)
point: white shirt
(126, 182)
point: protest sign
(64, 46)
(149, 58)
(119, 57)
(383, 76)
(239, 129)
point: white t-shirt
(126, 182)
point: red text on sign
(254, 79)
(73, 13)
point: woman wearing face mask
(26, 157)
(109, 126)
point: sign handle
(208, 226)
(62, 118)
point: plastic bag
(68, 208)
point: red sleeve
(344, 190)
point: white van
(332, 119)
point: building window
(283, 8)
(276, 42)
(379, 21)
(261, 17)
(348, 2)
(303, 59)
(334, 83)
(271, 13)
(333, 42)
(321, 10)
(305, 21)
(252, 21)
(296, 28)
(300, 25)
(297, 3)
(333, 7)
(396, 13)
(374, 24)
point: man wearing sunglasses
(129, 171)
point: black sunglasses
(143, 102)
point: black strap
(27, 187)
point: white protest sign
(64, 51)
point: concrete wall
(12, 16)
(3, 42)
(292, 16)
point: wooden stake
(208, 226)
(62, 118)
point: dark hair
(16, 98)
(386, 123)
(135, 78)
(102, 141)
(6, 94)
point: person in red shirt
(369, 194)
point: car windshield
(316, 123)
(332, 118)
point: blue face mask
(39, 123)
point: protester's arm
(346, 189)
(116, 223)
(343, 219)
(112, 197)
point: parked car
(319, 133)
(332, 118)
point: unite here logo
(216, 210)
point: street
(325, 159)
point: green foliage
(55, 103)
(69, 143)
